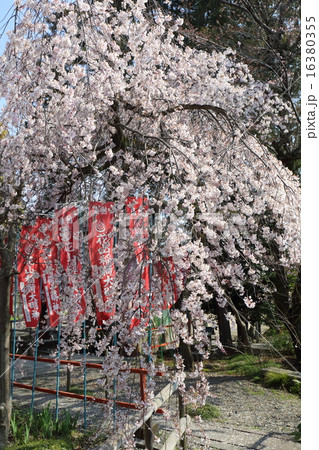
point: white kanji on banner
(48, 268)
(67, 233)
(137, 208)
(100, 229)
(28, 275)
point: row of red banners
(52, 246)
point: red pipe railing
(89, 398)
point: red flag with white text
(166, 272)
(138, 225)
(47, 268)
(67, 234)
(100, 229)
(28, 275)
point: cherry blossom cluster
(103, 104)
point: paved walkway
(219, 436)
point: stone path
(252, 417)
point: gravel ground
(247, 404)
(251, 415)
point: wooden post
(182, 414)
(134, 423)
(148, 434)
(142, 386)
(173, 438)
(68, 375)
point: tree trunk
(294, 318)
(185, 349)
(187, 355)
(243, 338)
(281, 295)
(7, 244)
(5, 395)
(289, 309)
(224, 328)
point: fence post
(58, 372)
(149, 436)
(84, 375)
(35, 365)
(68, 374)
(148, 432)
(182, 413)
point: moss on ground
(206, 412)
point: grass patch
(243, 365)
(281, 340)
(80, 391)
(28, 426)
(251, 366)
(206, 412)
(78, 440)
(297, 433)
(43, 444)
(40, 431)
(282, 381)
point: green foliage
(246, 365)
(14, 427)
(43, 423)
(297, 434)
(281, 340)
(66, 424)
(282, 381)
(266, 36)
(3, 131)
(26, 434)
(44, 444)
(162, 321)
(199, 13)
(30, 425)
(80, 391)
(252, 367)
(206, 412)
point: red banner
(100, 228)
(67, 233)
(47, 268)
(38, 259)
(138, 223)
(138, 226)
(28, 275)
(166, 272)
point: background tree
(266, 36)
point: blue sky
(5, 5)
